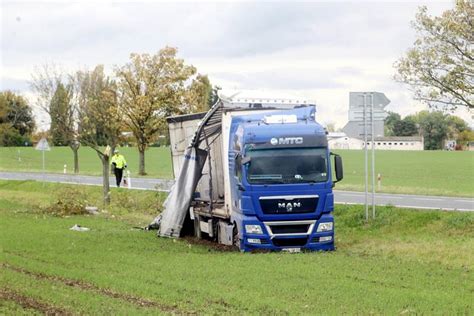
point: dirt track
(138, 301)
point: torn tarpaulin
(177, 203)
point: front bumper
(287, 235)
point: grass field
(411, 172)
(449, 173)
(157, 160)
(405, 262)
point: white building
(338, 141)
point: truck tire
(236, 238)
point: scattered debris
(94, 210)
(155, 224)
(79, 228)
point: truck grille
(288, 204)
(289, 229)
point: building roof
(400, 138)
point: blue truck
(267, 179)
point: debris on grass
(94, 210)
(79, 228)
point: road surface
(342, 197)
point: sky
(314, 50)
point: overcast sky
(315, 50)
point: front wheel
(236, 239)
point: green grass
(412, 172)
(157, 160)
(406, 261)
(449, 173)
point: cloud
(317, 50)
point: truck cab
(281, 183)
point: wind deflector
(179, 199)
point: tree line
(91, 108)
(434, 126)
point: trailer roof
(185, 117)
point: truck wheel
(235, 237)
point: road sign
(43, 145)
(380, 99)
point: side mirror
(240, 187)
(338, 168)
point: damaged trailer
(252, 173)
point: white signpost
(43, 146)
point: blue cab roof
(255, 130)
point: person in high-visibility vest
(118, 163)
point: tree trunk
(141, 165)
(75, 150)
(105, 179)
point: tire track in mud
(31, 303)
(135, 300)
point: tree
(456, 126)
(57, 99)
(465, 137)
(16, 120)
(199, 94)
(151, 88)
(100, 117)
(390, 122)
(440, 66)
(405, 127)
(58, 110)
(433, 127)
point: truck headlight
(324, 227)
(253, 229)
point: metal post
(366, 160)
(373, 154)
(43, 169)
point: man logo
(289, 206)
(286, 141)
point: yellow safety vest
(119, 161)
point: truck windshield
(289, 165)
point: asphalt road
(342, 197)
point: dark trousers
(118, 176)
